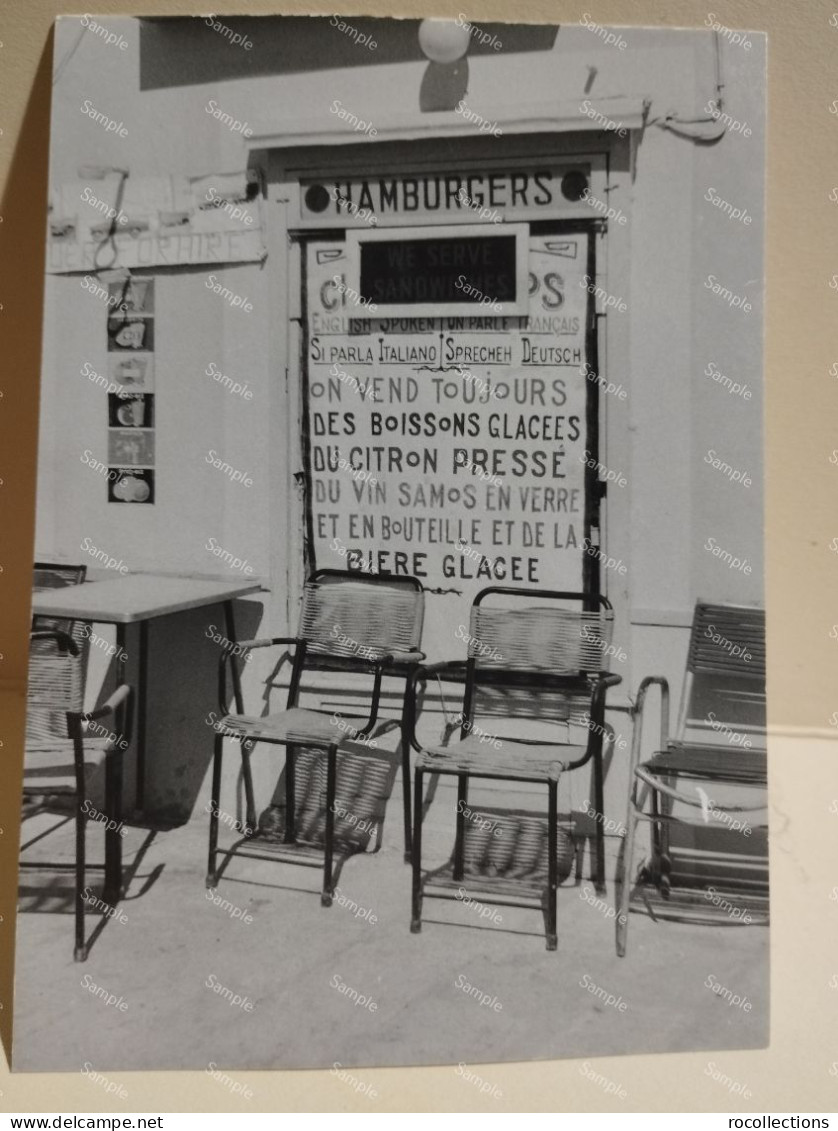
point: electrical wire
(111, 233)
(59, 70)
(675, 124)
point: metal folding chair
(349, 622)
(64, 747)
(530, 657)
(698, 870)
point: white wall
(673, 327)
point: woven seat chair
(65, 746)
(529, 658)
(350, 623)
(720, 742)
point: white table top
(135, 597)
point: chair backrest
(48, 576)
(723, 701)
(56, 678)
(532, 653)
(348, 617)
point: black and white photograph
(397, 678)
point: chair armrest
(697, 802)
(266, 642)
(120, 699)
(244, 646)
(453, 671)
(637, 716)
(596, 717)
(64, 642)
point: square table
(137, 598)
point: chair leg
(459, 843)
(331, 776)
(113, 837)
(599, 802)
(212, 875)
(291, 796)
(80, 949)
(416, 909)
(406, 782)
(632, 820)
(250, 803)
(552, 862)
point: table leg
(250, 802)
(230, 624)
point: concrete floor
(292, 959)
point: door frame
(611, 160)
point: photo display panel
(450, 448)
